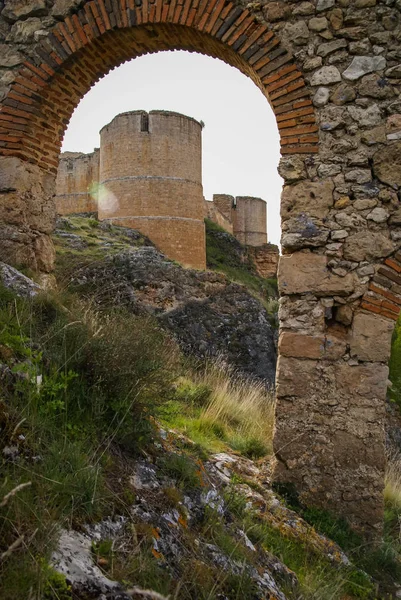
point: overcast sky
(240, 138)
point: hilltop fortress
(147, 174)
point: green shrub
(183, 469)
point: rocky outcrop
(14, 280)
(209, 315)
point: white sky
(240, 138)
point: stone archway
(339, 205)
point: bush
(77, 381)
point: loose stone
(362, 65)
(340, 234)
(321, 96)
(343, 94)
(366, 117)
(324, 5)
(318, 24)
(326, 76)
(365, 203)
(378, 215)
(325, 49)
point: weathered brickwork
(244, 216)
(77, 182)
(331, 70)
(151, 178)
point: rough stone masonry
(331, 70)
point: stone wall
(77, 182)
(213, 213)
(331, 70)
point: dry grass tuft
(392, 489)
(241, 404)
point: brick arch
(104, 34)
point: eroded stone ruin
(331, 71)
(147, 174)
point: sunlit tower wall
(151, 180)
(250, 220)
(77, 182)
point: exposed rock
(207, 314)
(61, 8)
(303, 8)
(303, 232)
(362, 65)
(17, 282)
(387, 164)
(23, 31)
(74, 559)
(275, 11)
(313, 63)
(364, 203)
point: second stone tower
(151, 180)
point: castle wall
(250, 221)
(213, 213)
(151, 180)
(225, 204)
(77, 182)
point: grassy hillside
(102, 420)
(225, 254)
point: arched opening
(185, 168)
(329, 438)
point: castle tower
(250, 220)
(225, 204)
(77, 181)
(151, 179)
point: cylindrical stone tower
(250, 220)
(151, 180)
(77, 182)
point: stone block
(297, 345)
(302, 273)
(367, 245)
(370, 338)
(387, 164)
(313, 198)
